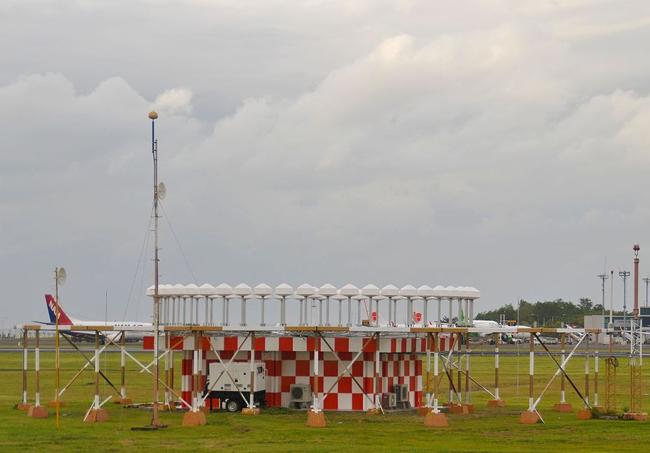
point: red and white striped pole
(195, 417)
(168, 394)
(37, 411)
(585, 412)
(496, 367)
(428, 396)
(96, 400)
(436, 371)
(37, 369)
(377, 385)
(435, 418)
(596, 364)
(24, 405)
(195, 373)
(562, 406)
(531, 372)
(497, 401)
(530, 416)
(315, 415)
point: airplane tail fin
(55, 311)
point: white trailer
(231, 384)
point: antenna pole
(603, 277)
(155, 421)
(57, 359)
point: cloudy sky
(493, 143)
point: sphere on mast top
(153, 115)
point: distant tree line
(551, 313)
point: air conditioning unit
(300, 395)
(388, 400)
(401, 392)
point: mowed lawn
(280, 430)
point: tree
(585, 304)
(550, 313)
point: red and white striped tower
(636, 351)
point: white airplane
(520, 337)
(516, 337)
(487, 325)
(55, 311)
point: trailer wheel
(233, 405)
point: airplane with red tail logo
(66, 322)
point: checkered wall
(289, 360)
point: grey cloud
(319, 143)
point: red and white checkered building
(289, 360)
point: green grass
(279, 430)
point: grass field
(280, 430)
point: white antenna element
(162, 191)
(61, 275)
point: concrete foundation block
(637, 416)
(37, 412)
(436, 420)
(96, 416)
(197, 418)
(584, 414)
(529, 418)
(563, 407)
(250, 411)
(496, 403)
(316, 419)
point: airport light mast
(155, 421)
(624, 275)
(635, 309)
(636, 350)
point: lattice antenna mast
(603, 277)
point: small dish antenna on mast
(59, 279)
(162, 191)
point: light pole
(610, 326)
(624, 275)
(646, 280)
(603, 277)
(155, 421)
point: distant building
(601, 322)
